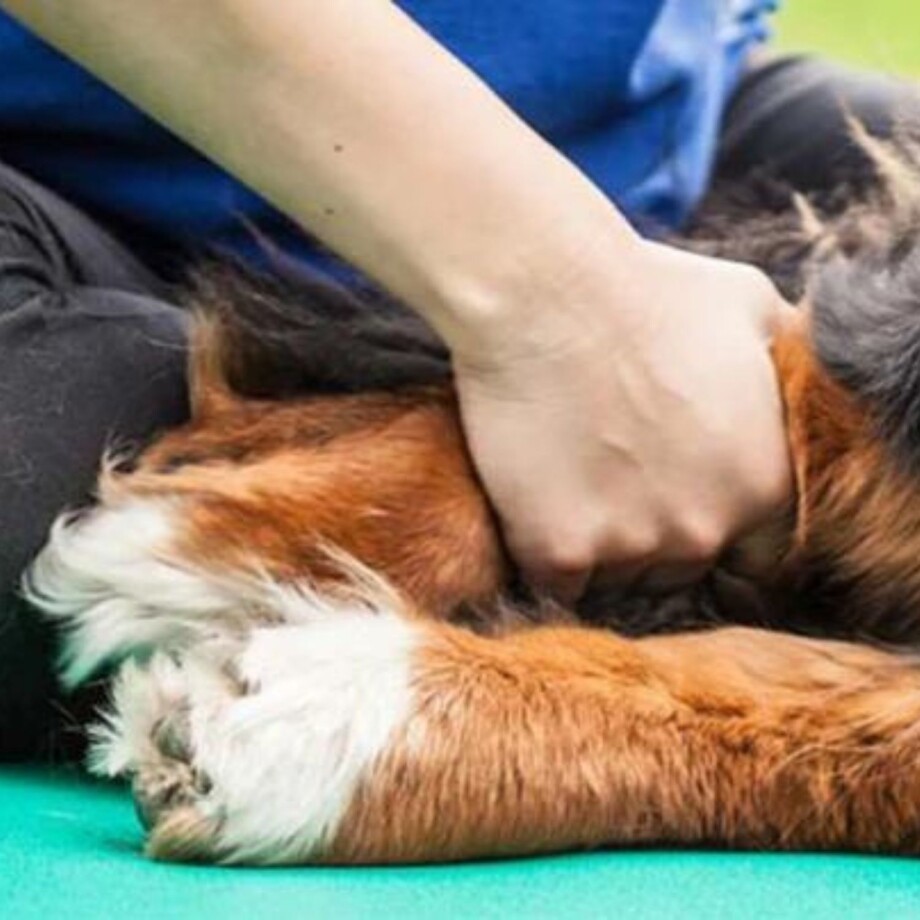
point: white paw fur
(285, 740)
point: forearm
(358, 125)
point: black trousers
(91, 357)
(92, 352)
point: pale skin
(618, 396)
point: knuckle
(772, 496)
(772, 488)
(700, 541)
(638, 546)
(753, 276)
(631, 550)
(761, 289)
(556, 551)
(568, 556)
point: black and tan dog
(322, 655)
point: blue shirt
(631, 90)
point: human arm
(611, 389)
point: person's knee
(46, 244)
(792, 118)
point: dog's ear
(866, 331)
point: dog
(322, 653)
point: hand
(618, 397)
(636, 429)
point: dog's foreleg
(373, 738)
(562, 739)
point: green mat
(70, 849)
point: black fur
(298, 332)
(867, 334)
(858, 266)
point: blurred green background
(882, 34)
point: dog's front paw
(147, 736)
(253, 752)
(170, 782)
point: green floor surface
(70, 849)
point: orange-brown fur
(584, 739)
(737, 737)
(385, 479)
(854, 500)
(558, 737)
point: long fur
(266, 715)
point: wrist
(540, 291)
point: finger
(620, 576)
(564, 580)
(566, 587)
(667, 579)
(651, 577)
(552, 562)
